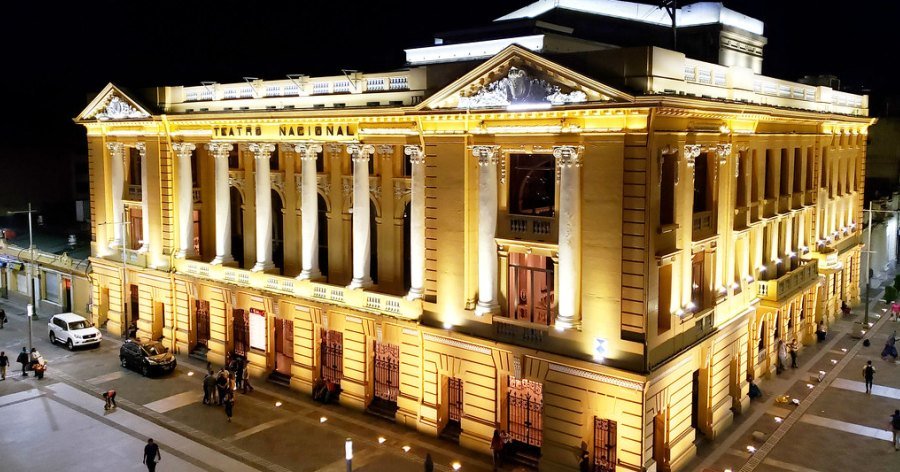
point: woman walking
(229, 404)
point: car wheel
(145, 370)
(70, 345)
(52, 338)
(123, 361)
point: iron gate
(241, 331)
(604, 445)
(332, 356)
(202, 317)
(526, 406)
(456, 395)
(387, 371)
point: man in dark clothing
(222, 385)
(4, 363)
(24, 360)
(895, 424)
(239, 372)
(209, 388)
(151, 455)
(869, 374)
(2, 317)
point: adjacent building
(581, 244)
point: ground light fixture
(778, 419)
(323, 419)
(406, 448)
(751, 449)
(381, 439)
(456, 466)
(191, 374)
(277, 404)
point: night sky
(59, 54)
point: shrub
(890, 294)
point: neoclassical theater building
(589, 246)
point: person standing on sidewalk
(229, 404)
(895, 424)
(151, 455)
(222, 384)
(869, 374)
(2, 317)
(23, 359)
(245, 383)
(793, 347)
(209, 388)
(4, 362)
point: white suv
(72, 330)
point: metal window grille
(604, 445)
(241, 331)
(332, 355)
(456, 399)
(525, 401)
(387, 371)
(320, 87)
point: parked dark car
(146, 356)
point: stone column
(262, 152)
(309, 210)
(145, 199)
(117, 184)
(362, 243)
(568, 292)
(185, 199)
(223, 203)
(487, 229)
(416, 222)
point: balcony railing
(526, 227)
(134, 193)
(702, 225)
(362, 300)
(787, 284)
(195, 193)
(519, 331)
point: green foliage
(897, 281)
(890, 293)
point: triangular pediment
(111, 104)
(519, 78)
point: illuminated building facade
(533, 242)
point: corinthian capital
(691, 151)
(183, 150)
(360, 152)
(416, 156)
(261, 150)
(142, 149)
(308, 152)
(116, 149)
(568, 156)
(486, 155)
(386, 150)
(220, 150)
(723, 151)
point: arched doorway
(277, 231)
(237, 227)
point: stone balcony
(788, 284)
(528, 228)
(362, 300)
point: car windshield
(79, 325)
(153, 349)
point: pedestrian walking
(793, 347)
(895, 424)
(151, 455)
(869, 374)
(890, 348)
(429, 463)
(229, 405)
(221, 384)
(497, 449)
(245, 383)
(24, 360)
(4, 362)
(110, 397)
(2, 317)
(240, 366)
(895, 311)
(209, 388)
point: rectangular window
(399, 83)
(701, 183)
(320, 88)
(698, 285)
(741, 162)
(241, 331)
(810, 169)
(21, 282)
(785, 172)
(664, 315)
(342, 86)
(257, 329)
(234, 158)
(604, 445)
(668, 175)
(532, 184)
(135, 228)
(798, 170)
(375, 84)
(197, 232)
(332, 351)
(769, 173)
(530, 288)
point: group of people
(219, 388)
(325, 390)
(786, 350)
(30, 361)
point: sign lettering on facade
(323, 131)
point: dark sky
(58, 53)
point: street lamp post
(348, 453)
(32, 307)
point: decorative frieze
(457, 344)
(629, 384)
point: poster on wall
(257, 329)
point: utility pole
(671, 7)
(32, 307)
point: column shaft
(568, 293)
(223, 203)
(487, 229)
(185, 200)
(117, 185)
(417, 223)
(309, 210)
(362, 243)
(262, 152)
